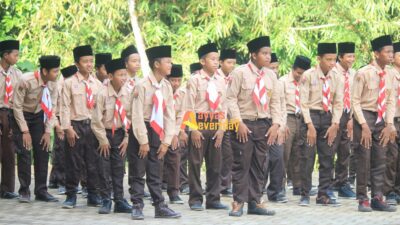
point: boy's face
(396, 60)
(101, 72)
(262, 57)
(118, 78)
(175, 82)
(327, 61)
(51, 74)
(348, 59)
(12, 57)
(133, 63)
(85, 64)
(210, 61)
(385, 55)
(297, 73)
(164, 66)
(274, 67)
(227, 65)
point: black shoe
(331, 194)
(304, 201)
(147, 195)
(24, 198)
(185, 190)
(9, 195)
(197, 207)
(175, 200)
(254, 208)
(83, 191)
(93, 200)
(378, 204)
(280, 198)
(327, 201)
(345, 191)
(227, 192)
(237, 209)
(296, 192)
(364, 206)
(45, 197)
(105, 207)
(162, 211)
(122, 206)
(52, 185)
(391, 198)
(216, 205)
(137, 212)
(70, 202)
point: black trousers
(249, 162)
(392, 172)
(171, 171)
(183, 175)
(84, 150)
(112, 166)
(274, 171)
(370, 162)
(322, 121)
(57, 174)
(40, 156)
(292, 149)
(227, 161)
(7, 153)
(342, 149)
(149, 166)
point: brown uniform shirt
(16, 76)
(396, 91)
(311, 94)
(74, 102)
(27, 97)
(289, 89)
(180, 107)
(142, 106)
(196, 100)
(130, 86)
(338, 71)
(239, 95)
(366, 91)
(103, 113)
(282, 101)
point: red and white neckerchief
(326, 93)
(45, 101)
(381, 97)
(9, 88)
(297, 97)
(260, 97)
(212, 95)
(119, 111)
(346, 92)
(130, 85)
(89, 94)
(157, 114)
(227, 78)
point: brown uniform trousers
(84, 150)
(322, 121)
(392, 173)
(7, 153)
(227, 161)
(370, 162)
(183, 175)
(342, 149)
(274, 171)
(112, 167)
(171, 171)
(249, 162)
(292, 150)
(24, 160)
(149, 166)
(213, 159)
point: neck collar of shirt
(341, 69)
(112, 92)
(321, 74)
(153, 79)
(378, 69)
(291, 77)
(3, 71)
(254, 68)
(39, 78)
(80, 77)
(204, 75)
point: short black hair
(5, 52)
(152, 61)
(99, 65)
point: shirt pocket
(201, 93)
(246, 90)
(79, 98)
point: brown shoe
(259, 209)
(237, 209)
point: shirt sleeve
(337, 108)
(138, 126)
(53, 120)
(304, 98)
(356, 93)
(97, 118)
(18, 105)
(232, 95)
(169, 118)
(66, 106)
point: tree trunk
(138, 39)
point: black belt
(321, 112)
(86, 121)
(255, 119)
(396, 119)
(298, 115)
(5, 109)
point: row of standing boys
(102, 119)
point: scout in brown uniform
(101, 59)
(321, 99)
(78, 101)
(34, 106)
(206, 95)
(275, 166)
(57, 174)
(345, 73)
(254, 101)
(109, 125)
(392, 174)
(132, 62)
(9, 77)
(292, 146)
(373, 107)
(153, 119)
(227, 62)
(172, 159)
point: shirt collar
(254, 68)
(112, 92)
(80, 77)
(321, 75)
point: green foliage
(295, 27)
